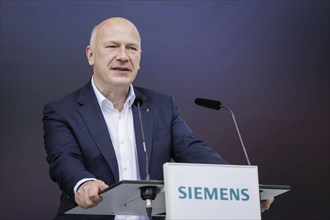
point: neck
(117, 99)
(117, 95)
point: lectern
(191, 191)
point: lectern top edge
(277, 187)
(142, 182)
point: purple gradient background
(267, 60)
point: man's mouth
(120, 68)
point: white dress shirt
(121, 130)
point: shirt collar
(101, 98)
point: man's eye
(132, 48)
(111, 46)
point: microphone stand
(148, 193)
(216, 105)
(239, 133)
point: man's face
(116, 54)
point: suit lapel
(91, 113)
(146, 115)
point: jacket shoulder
(73, 97)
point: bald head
(113, 23)
(115, 54)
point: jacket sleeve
(63, 153)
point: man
(93, 136)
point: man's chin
(124, 83)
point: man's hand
(87, 195)
(265, 204)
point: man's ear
(90, 55)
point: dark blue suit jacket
(78, 144)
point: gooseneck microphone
(208, 103)
(216, 105)
(148, 193)
(138, 102)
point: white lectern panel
(204, 191)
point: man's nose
(122, 54)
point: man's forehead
(118, 30)
(119, 38)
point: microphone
(138, 102)
(208, 103)
(216, 105)
(148, 193)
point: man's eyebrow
(116, 42)
(111, 42)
